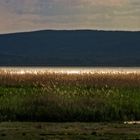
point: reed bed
(46, 79)
(69, 97)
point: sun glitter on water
(69, 70)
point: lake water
(71, 70)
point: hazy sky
(25, 15)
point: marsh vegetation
(69, 97)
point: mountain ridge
(70, 48)
(69, 30)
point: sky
(28, 15)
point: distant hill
(70, 48)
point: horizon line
(39, 30)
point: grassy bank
(68, 131)
(61, 98)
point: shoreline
(71, 70)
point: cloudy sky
(26, 15)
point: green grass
(62, 103)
